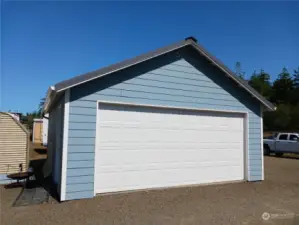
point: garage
(172, 117)
(141, 147)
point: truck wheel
(278, 154)
(266, 150)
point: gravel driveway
(238, 203)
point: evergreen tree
(283, 88)
(296, 78)
(239, 71)
(41, 106)
(261, 83)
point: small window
(294, 137)
(283, 137)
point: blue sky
(46, 42)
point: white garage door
(143, 147)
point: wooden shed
(40, 131)
(14, 146)
(37, 133)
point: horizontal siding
(12, 159)
(81, 149)
(82, 118)
(141, 82)
(76, 172)
(75, 125)
(78, 195)
(80, 164)
(11, 135)
(208, 102)
(80, 179)
(256, 136)
(13, 146)
(13, 149)
(81, 133)
(177, 82)
(80, 156)
(79, 187)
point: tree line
(283, 92)
(28, 118)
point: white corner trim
(262, 144)
(246, 149)
(95, 151)
(65, 144)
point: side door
(293, 143)
(282, 143)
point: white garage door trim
(245, 119)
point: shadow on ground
(40, 181)
(40, 151)
(287, 156)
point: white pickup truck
(281, 143)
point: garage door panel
(160, 155)
(169, 125)
(141, 147)
(173, 124)
(154, 178)
(130, 134)
(134, 145)
(163, 166)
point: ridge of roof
(190, 41)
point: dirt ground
(237, 203)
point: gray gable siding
(181, 79)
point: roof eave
(49, 99)
(171, 48)
(60, 87)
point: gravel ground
(237, 203)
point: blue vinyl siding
(82, 180)
(78, 172)
(78, 194)
(184, 80)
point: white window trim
(65, 145)
(244, 113)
